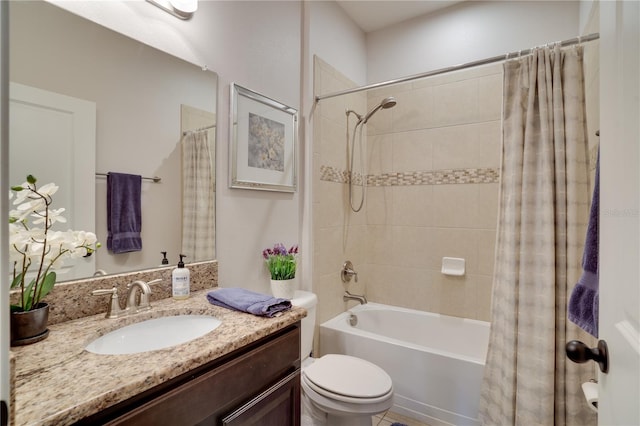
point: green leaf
(31, 179)
(27, 301)
(17, 280)
(47, 285)
(17, 188)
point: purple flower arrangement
(281, 262)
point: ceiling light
(183, 9)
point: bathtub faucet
(348, 272)
(348, 296)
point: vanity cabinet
(258, 384)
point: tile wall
(433, 168)
(338, 235)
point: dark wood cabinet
(259, 384)
(279, 405)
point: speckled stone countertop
(58, 383)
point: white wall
(335, 38)
(331, 35)
(466, 32)
(586, 10)
(257, 45)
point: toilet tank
(309, 301)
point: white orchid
(42, 248)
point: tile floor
(388, 418)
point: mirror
(144, 101)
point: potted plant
(282, 265)
(35, 249)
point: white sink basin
(153, 334)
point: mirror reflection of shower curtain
(543, 213)
(198, 197)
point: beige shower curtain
(198, 198)
(544, 207)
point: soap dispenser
(165, 261)
(180, 285)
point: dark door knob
(579, 352)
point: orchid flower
(42, 248)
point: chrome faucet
(145, 291)
(348, 296)
(115, 311)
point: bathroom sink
(153, 334)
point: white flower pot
(284, 289)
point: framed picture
(263, 143)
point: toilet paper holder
(590, 390)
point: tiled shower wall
(433, 168)
(434, 160)
(338, 234)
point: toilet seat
(348, 379)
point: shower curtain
(543, 213)
(198, 198)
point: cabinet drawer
(222, 388)
(278, 405)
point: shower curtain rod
(564, 43)
(198, 130)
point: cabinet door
(278, 405)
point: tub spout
(348, 296)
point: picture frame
(263, 152)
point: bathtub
(435, 361)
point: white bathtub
(435, 361)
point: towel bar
(155, 179)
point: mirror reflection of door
(47, 133)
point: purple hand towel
(124, 218)
(583, 304)
(249, 301)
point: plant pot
(29, 326)
(284, 289)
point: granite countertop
(58, 383)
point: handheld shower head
(386, 103)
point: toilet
(338, 390)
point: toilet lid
(349, 376)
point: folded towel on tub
(240, 299)
(584, 300)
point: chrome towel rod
(155, 179)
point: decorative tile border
(429, 177)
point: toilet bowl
(338, 389)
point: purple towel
(583, 304)
(249, 301)
(124, 218)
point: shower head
(389, 102)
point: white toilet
(338, 390)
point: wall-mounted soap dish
(453, 266)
